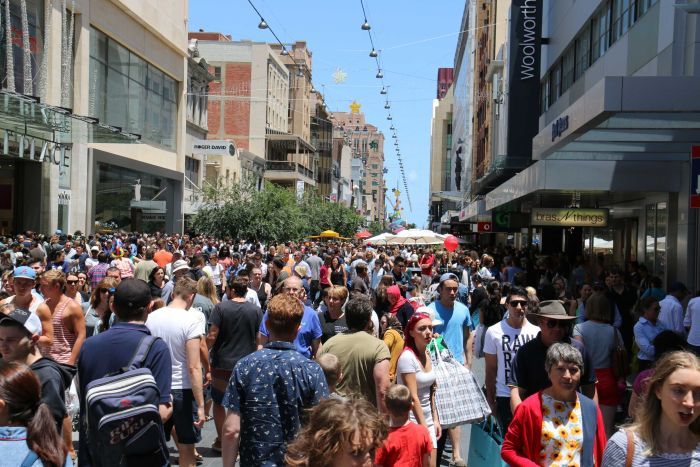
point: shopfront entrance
(20, 190)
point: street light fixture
(373, 53)
(380, 74)
(366, 26)
(262, 24)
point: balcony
(288, 173)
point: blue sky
(415, 38)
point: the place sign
(569, 217)
(212, 147)
(34, 149)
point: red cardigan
(522, 444)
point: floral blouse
(562, 433)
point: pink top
(63, 339)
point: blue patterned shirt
(270, 389)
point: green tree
(271, 215)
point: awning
(26, 116)
(611, 139)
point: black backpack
(124, 427)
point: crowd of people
(319, 354)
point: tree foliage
(273, 214)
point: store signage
(569, 217)
(34, 149)
(484, 227)
(213, 147)
(695, 177)
(504, 221)
(559, 126)
(524, 78)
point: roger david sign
(572, 217)
(213, 147)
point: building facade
(445, 166)
(607, 173)
(117, 69)
(367, 144)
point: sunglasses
(553, 323)
(72, 282)
(110, 290)
(515, 303)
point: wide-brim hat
(553, 309)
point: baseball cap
(448, 276)
(26, 318)
(95, 248)
(24, 272)
(179, 265)
(132, 293)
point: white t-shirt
(504, 341)
(214, 273)
(176, 327)
(692, 321)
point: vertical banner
(524, 77)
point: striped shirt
(616, 454)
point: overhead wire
(375, 53)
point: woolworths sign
(523, 79)
(571, 217)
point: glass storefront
(130, 200)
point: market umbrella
(364, 234)
(379, 239)
(329, 234)
(416, 237)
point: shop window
(128, 92)
(567, 69)
(191, 173)
(655, 238)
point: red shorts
(608, 389)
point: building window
(567, 64)
(554, 84)
(128, 92)
(583, 53)
(191, 173)
(35, 22)
(655, 238)
(217, 73)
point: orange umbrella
(364, 234)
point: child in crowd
(331, 369)
(408, 443)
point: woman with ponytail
(28, 435)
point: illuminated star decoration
(355, 107)
(339, 76)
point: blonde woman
(667, 427)
(205, 287)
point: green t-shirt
(358, 353)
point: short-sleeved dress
(409, 363)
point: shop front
(610, 177)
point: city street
(212, 458)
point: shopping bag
(485, 445)
(458, 398)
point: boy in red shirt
(408, 444)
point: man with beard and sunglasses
(529, 375)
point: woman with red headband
(415, 370)
(398, 305)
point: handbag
(458, 399)
(485, 445)
(618, 359)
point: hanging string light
(375, 54)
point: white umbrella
(416, 237)
(380, 239)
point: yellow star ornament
(355, 107)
